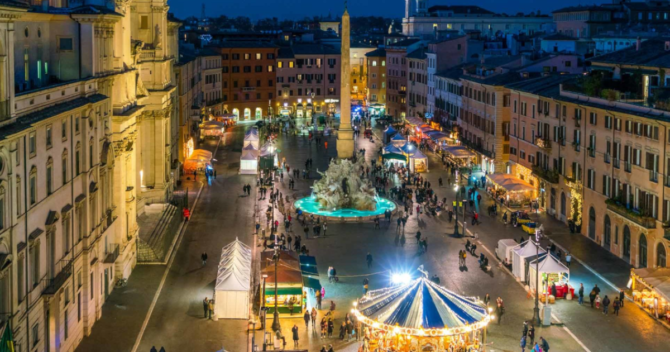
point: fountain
(342, 192)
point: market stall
(517, 192)
(268, 156)
(249, 160)
(420, 316)
(310, 280)
(212, 129)
(389, 132)
(459, 155)
(233, 280)
(398, 140)
(199, 161)
(505, 248)
(521, 258)
(289, 282)
(251, 137)
(651, 290)
(418, 162)
(552, 271)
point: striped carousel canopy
(422, 304)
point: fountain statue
(343, 187)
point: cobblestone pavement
(222, 214)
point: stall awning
(394, 156)
(309, 270)
(307, 260)
(657, 279)
(284, 291)
(417, 121)
(459, 151)
(312, 283)
(510, 182)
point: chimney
(637, 44)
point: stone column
(345, 135)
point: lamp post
(314, 121)
(456, 213)
(263, 308)
(275, 319)
(536, 310)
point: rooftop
(652, 53)
(404, 43)
(581, 8)
(418, 54)
(244, 44)
(559, 37)
(461, 9)
(380, 52)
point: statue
(341, 186)
(391, 27)
(157, 37)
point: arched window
(259, 113)
(50, 167)
(626, 242)
(643, 251)
(236, 112)
(63, 166)
(592, 223)
(247, 114)
(661, 261)
(608, 232)
(33, 185)
(77, 159)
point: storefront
(651, 290)
(289, 283)
(516, 192)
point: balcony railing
(550, 176)
(592, 152)
(478, 148)
(617, 163)
(607, 158)
(577, 146)
(543, 143)
(667, 180)
(631, 214)
(64, 270)
(112, 253)
(653, 176)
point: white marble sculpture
(342, 186)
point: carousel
(421, 316)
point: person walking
(616, 305)
(313, 318)
(606, 304)
(544, 344)
(581, 294)
(366, 282)
(522, 343)
(307, 318)
(203, 256)
(524, 332)
(325, 228)
(500, 310)
(418, 237)
(205, 306)
(568, 258)
(622, 298)
(531, 334)
(295, 336)
(368, 259)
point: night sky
(298, 9)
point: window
(66, 233)
(64, 166)
(591, 181)
(36, 334)
(32, 144)
(258, 56)
(76, 124)
(593, 118)
(90, 154)
(144, 22)
(49, 141)
(77, 160)
(50, 176)
(270, 68)
(280, 64)
(21, 278)
(247, 56)
(92, 285)
(33, 185)
(65, 44)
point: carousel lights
(400, 278)
(424, 332)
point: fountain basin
(309, 205)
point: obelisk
(345, 135)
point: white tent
(521, 256)
(249, 160)
(251, 137)
(505, 248)
(233, 280)
(398, 140)
(548, 265)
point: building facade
(87, 115)
(248, 78)
(376, 62)
(417, 83)
(396, 72)
(308, 80)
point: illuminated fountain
(343, 192)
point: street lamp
(536, 310)
(316, 129)
(275, 318)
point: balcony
(667, 180)
(617, 163)
(478, 148)
(653, 176)
(592, 151)
(550, 176)
(64, 270)
(543, 143)
(607, 158)
(630, 214)
(577, 146)
(112, 253)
